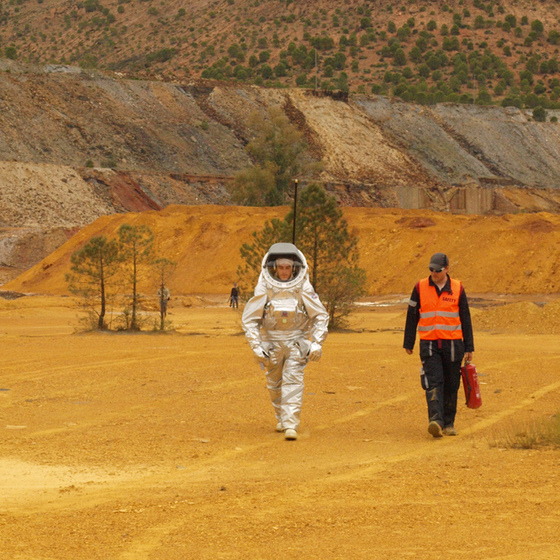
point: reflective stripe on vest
(439, 316)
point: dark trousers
(441, 360)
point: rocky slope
(77, 145)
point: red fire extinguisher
(471, 386)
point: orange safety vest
(439, 316)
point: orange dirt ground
(162, 446)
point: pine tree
(135, 251)
(323, 237)
(279, 152)
(93, 266)
(275, 231)
(331, 251)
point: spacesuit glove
(315, 352)
(260, 354)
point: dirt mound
(522, 317)
(81, 145)
(489, 254)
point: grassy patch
(535, 434)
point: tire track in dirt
(142, 547)
(155, 535)
(151, 539)
(445, 443)
(362, 412)
(200, 472)
(43, 372)
(495, 418)
(41, 481)
(94, 496)
(544, 552)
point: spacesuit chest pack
(284, 310)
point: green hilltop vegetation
(485, 52)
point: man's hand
(315, 352)
(468, 357)
(409, 351)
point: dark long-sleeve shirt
(413, 316)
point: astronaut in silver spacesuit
(286, 325)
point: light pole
(316, 72)
(295, 212)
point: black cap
(439, 261)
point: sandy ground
(162, 446)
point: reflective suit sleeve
(251, 319)
(260, 288)
(317, 313)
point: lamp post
(295, 212)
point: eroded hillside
(77, 145)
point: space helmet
(284, 252)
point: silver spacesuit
(286, 325)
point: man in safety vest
(439, 308)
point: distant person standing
(234, 297)
(164, 296)
(439, 308)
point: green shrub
(162, 55)
(10, 52)
(539, 114)
(266, 72)
(91, 5)
(537, 27)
